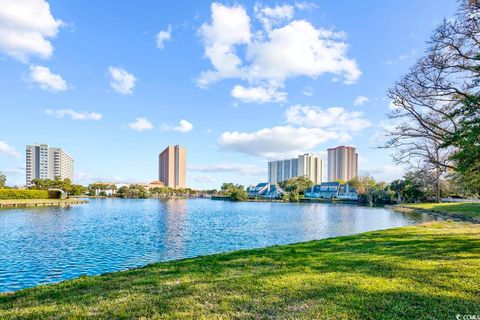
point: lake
(46, 245)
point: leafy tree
(3, 180)
(238, 194)
(371, 191)
(57, 183)
(297, 185)
(137, 191)
(123, 192)
(234, 191)
(466, 140)
(362, 184)
(398, 186)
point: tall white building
(342, 163)
(306, 165)
(44, 162)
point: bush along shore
(427, 271)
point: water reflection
(176, 227)
(44, 245)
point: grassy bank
(421, 272)
(460, 211)
(38, 202)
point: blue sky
(237, 83)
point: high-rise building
(172, 167)
(44, 162)
(306, 165)
(342, 163)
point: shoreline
(405, 208)
(24, 203)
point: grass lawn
(471, 210)
(429, 271)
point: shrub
(55, 194)
(8, 194)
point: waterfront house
(332, 190)
(266, 190)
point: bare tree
(426, 102)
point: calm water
(45, 245)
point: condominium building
(44, 162)
(172, 167)
(342, 163)
(306, 165)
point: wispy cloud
(402, 57)
(164, 36)
(74, 115)
(43, 77)
(140, 124)
(121, 80)
(247, 169)
(8, 150)
(184, 126)
(360, 100)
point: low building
(266, 190)
(332, 190)
(152, 185)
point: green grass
(428, 271)
(471, 210)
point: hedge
(9, 194)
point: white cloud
(385, 173)
(360, 100)
(140, 124)
(204, 179)
(184, 126)
(164, 36)
(8, 150)
(405, 56)
(74, 115)
(336, 118)
(26, 28)
(121, 81)
(86, 178)
(305, 5)
(380, 136)
(46, 79)
(307, 127)
(247, 169)
(16, 171)
(258, 94)
(392, 106)
(272, 54)
(308, 91)
(278, 141)
(269, 16)
(230, 27)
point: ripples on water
(44, 245)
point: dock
(24, 203)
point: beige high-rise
(172, 167)
(342, 163)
